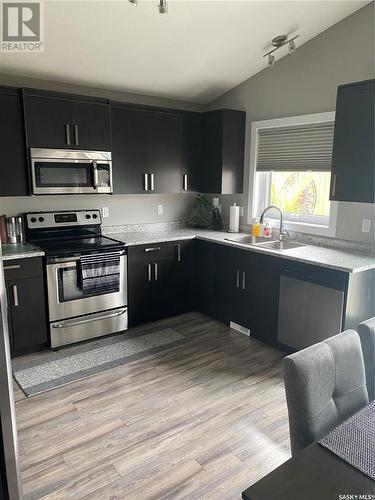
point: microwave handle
(95, 181)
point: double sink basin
(260, 242)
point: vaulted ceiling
(197, 52)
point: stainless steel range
(86, 275)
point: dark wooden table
(313, 474)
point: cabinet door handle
(145, 182)
(333, 190)
(178, 253)
(243, 280)
(15, 295)
(152, 249)
(238, 278)
(149, 276)
(15, 266)
(156, 271)
(76, 141)
(67, 134)
(152, 182)
(185, 182)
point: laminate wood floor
(203, 420)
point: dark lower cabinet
(26, 305)
(14, 180)
(245, 288)
(159, 281)
(352, 175)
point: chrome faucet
(283, 234)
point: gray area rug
(44, 371)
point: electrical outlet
(160, 209)
(241, 211)
(366, 225)
(105, 212)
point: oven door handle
(70, 323)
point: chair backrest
(366, 332)
(324, 384)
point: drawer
(152, 252)
(22, 268)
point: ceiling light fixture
(134, 2)
(278, 42)
(163, 7)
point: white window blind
(295, 148)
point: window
(290, 167)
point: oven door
(67, 176)
(66, 299)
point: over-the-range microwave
(66, 171)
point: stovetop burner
(68, 232)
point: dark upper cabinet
(12, 144)
(26, 304)
(191, 152)
(64, 121)
(165, 151)
(91, 125)
(129, 149)
(147, 150)
(352, 177)
(222, 164)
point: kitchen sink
(279, 245)
(258, 241)
(249, 240)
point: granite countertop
(20, 251)
(310, 254)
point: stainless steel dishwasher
(311, 305)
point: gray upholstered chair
(366, 332)
(324, 384)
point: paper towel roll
(234, 218)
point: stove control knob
(94, 216)
(88, 216)
(33, 219)
(41, 219)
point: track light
(163, 7)
(278, 42)
(134, 2)
(271, 60)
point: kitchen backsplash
(122, 209)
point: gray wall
(123, 209)
(305, 82)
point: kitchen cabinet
(165, 151)
(159, 281)
(26, 305)
(245, 291)
(14, 180)
(202, 275)
(129, 149)
(191, 152)
(223, 136)
(352, 176)
(147, 150)
(66, 122)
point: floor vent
(239, 328)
